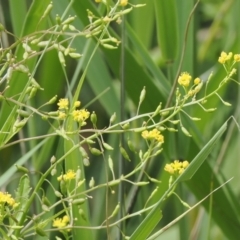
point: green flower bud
(48, 9)
(79, 201)
(52, 100)
(68, 20)
(23, 113)
(40, 232)
(113, 118)
(61, 58)
(92, 182)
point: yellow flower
(68, 176)
(184, 79)
(176, 168)
(77, 104)
(197, 81)
(98, 1)
(153, 134)
(63, 103)
(224, 57)
(123, 3)
(6, 198)
(61, 222)
(80, 115)
(237, 57)
(62, 115)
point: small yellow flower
(197, 81)
(62, 115)
(123, 3)
(169, 168)
(80, 115)
(184, 79)
(237, 57)
(224, 57)
(61, 222)
(71, 174)
(77, 104)
(63, 103)
(6, 198)
(153, 134)
(176, 168)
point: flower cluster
(6, 198)
(78, 115)
(61, 222)
(225, 57)
(184, 79)
(176, 167)
(68, 176)
(153, 135)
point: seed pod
(113, 118)
(79, 201)
(107, 146)
(26, 47)
(82, 214)
(125, 126)
(40, 232)
(92, 182)
(141, 183)
(75, 55)
(90, 141)
(22, 68)
(124, 154)
(21, 169)
(95, 151)
(33, 92)
(110, 163)
(52, 100)
(93, 118)
(46, 201)
(158, 109)
(45, 208)
(86, 162)
(58, 20)
(43, 43)
(61, 58)
(83, 152)
(25, 55)
(185, 131)
(58, 194)
(21, 123)
(53, 114)
(116, 210)
(68, 20)
(72, 28)
(128, 10)
(59, 47)
(131, 146)
(63, 187)
(53, 171)
(165, 113)
(48, 9)
(172, 130)
(23, 113)
(142, 95)
(108, 46)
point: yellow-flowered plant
(71, 191)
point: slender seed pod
(61, 59)
(40, 232)
(21, 169)
(92, 182)
(48, 10)
(107, 146)
(52, 100)
(185, 131)
(23, 113)
(116, 210)
(95, 151)
(124, 154)
(68, 20)
(93, 118)
(142, 95)
(113, 118)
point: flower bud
(95, 151)
(107, 146)
(124, 154)
(92, 182)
